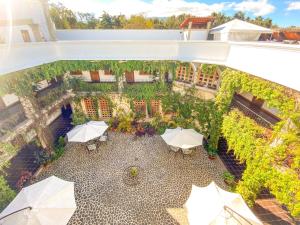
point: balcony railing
(10, 117)
(260, 116)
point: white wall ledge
(276, 62)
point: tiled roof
(196, 21)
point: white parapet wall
(122, 34)
(278, 63)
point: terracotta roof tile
(197, 21)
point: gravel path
(165, 181)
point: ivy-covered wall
(272, 157)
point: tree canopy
(65, 18)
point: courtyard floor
(166, 180)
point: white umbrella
(182, 138)
(87, 131)
(212, 205)
(48, 202)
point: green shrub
(79, 118)
(134, 171)
(6, 193)
(228, 177)
(59, 149)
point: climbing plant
(7, 150)
(208, 69)
(146, 91)
(272, 161)
(273, 94)
(78, 85)
(6, 193)
(21, 82)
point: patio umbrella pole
(29, 207)
(232, 212)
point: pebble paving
(166, 180)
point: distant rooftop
(197, 22)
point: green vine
(237, 81)
(6, 193)
(208, 69)
(21, 82)
(272, 161)
(79, 85)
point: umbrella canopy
(51, 200)
(87, 131)
(182, 138)
(213, 205)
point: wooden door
(25, 36)
(95, 76)
(129, 77)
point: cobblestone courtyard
(165, 181)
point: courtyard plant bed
(132, 175)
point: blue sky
(282, 12)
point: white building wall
(14, 33)
(21, 12)
(86, 76)
(275, 62)
(122, 34)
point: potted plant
(228, 178)
(212, 153)
(134, 171)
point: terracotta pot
(212, 157)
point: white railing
(275, 62)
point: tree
(106, 21)
(262, 22)
(62, 17)
(87, 21)
(240, 15)
(139, 22)
(220, 18)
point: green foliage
(7, 150)
(208, 69)
(134, 171)
(79, 85)
(125, 121)
(159, 124)
(59, 149)
(228, 176)
(212, 151)
(51, 96)
(243, 135)
(6, 193)
(78, 118)
(236, 81)
(192, 112)
(21, 82)
(145, 91)
(273, 166)
(65, 18)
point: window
(140, 107)
(155, 107)
(95, 76)
(185, 74)
(25, 36)
(90, 107)
(180, 73)
(209, 81)
(104, 108)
